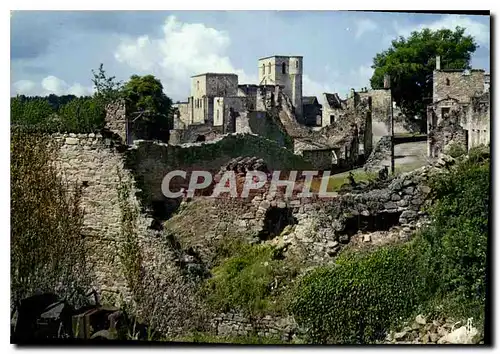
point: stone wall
(382, 152)
(381, 106)
(477, 122)
(104, 167)
(194, 133)
(457, 84)
(181, 119)
(95, 162)
(151, 161)
(116, 119)
(230, 325)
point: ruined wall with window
(226, 110)
(460, 111)
(458, 84)
(204, 88)
(478, 122)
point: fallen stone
(332, 244)
(399, 335)
(264, 204)
(433, 337)
(367, 238)
(71, 141)
(420, 320)
(462, 335)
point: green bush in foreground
(358, 298)
(442, 272)
(458, 236)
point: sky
(55, 51)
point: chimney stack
(438, 62)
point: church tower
(285, 71)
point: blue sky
(54, 52)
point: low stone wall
(151, 161)
(230, 325)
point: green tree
(106, 87)
(149, 107)
(29, 111)
(411, 61)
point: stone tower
(285, 71)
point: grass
(198, 337)
(336, 181)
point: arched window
(447, 82)
(197, 85)
(269, 68)
(283, 68)
(263, 69)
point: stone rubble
(423, 331)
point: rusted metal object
(45, 317)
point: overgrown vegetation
(441, 272)
(252, 280)
(199, 337)
(359, 297)
(456, 150)
(457, 240)
(47, 247)
(130, 252)
(149, 107)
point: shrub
(458, 236)
(358, 298)
(456, 150)
(47, 248)
(248, 281)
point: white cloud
(54, 85)
(49, 85)
(184, 50)
(365, 25)
(187, 49)
(24, 87)
(478, 30)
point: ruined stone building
(460, 111)
(274, 109)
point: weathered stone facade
(460, 113)
(117, 121)
(204, 88)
